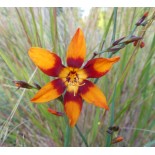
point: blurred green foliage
(129, 86)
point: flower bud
(114, 128)
(55, 112)
(37, 86)
(132, 39)
(135, 43)
(142, 19)
(142, 44)
(117, 140)
(109, 131)
(22, 84)
(117, 41)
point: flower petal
(48, 62)
(73, 106)
(98, 67)
(50, 91)
(77, 50)
(92, 94)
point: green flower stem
(134, 29)
(81, 135)
(106, 32)
(112, 111)
(115, 23)
(114, 29)
(67, 137)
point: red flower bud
(142, 19)
(117, 139)
(135, 43)
(22, 84)
(37, 86)
(146, 14)
(142, 44)
(55, 112)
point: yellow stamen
(81, 84)
(73, 82)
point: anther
(81, 84)
(78, 86)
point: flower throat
(73, 80)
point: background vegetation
(129, 86)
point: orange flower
(71, 78)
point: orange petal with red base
(48, 62)
(50, 91)
(92, 94)
(98, 67)
(77, 50)
(72, 106)
(57, 113)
